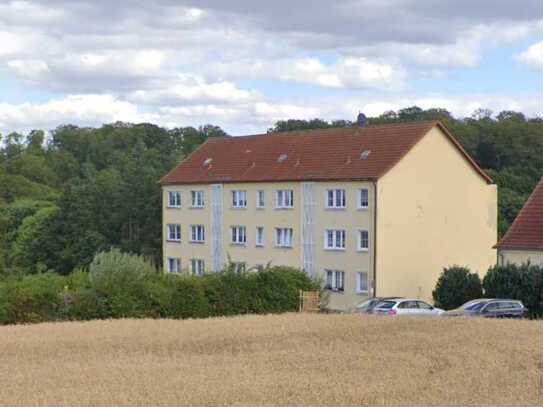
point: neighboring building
(376, 210)
(523, 242)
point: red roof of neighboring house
(526, 232)
(311, 155)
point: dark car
(490, 308)
(366, 307)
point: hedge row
(123, 286)
(457, 285)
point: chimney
(361, 119)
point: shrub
(114, 271)
(33, 298)
(456, 286)
(524, 283)
(120, 285)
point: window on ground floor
(197, 267)
(173, 265)
(362, 282)
(335, 280)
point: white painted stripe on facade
(308, 239)
(216, 226)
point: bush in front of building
(524, 283)
(120, 285)
(456, 285)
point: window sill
(334, 249)
(362, 250)
(335, 291)
(283, 247)
(284, 208)
(196, 241)
(173, 241)
(173, 207)
(259, 246)
(238, 208)
(196, 207)
(333, 208)
(362, 292)
(238, 244)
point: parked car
(490, 308)
(366, 307)
(406, 306)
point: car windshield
(365, 304)
(386, 304)
(476, 306)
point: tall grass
(285, 360)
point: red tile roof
(526, 232)
(316, 155)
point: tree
(456, 286)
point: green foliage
(524, 283)
(34, 298)
(120, 285)
(103, 182)
(114, 271)
(456, 286)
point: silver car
(406, 306)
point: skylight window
(282, 158)
(365, 154)
(208, 161)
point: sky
(244, 64)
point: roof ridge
(355, 126)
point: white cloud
(345, 73)
(91, 110)
(533, 56)
(10, 43)
(193, 89)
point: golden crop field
(286, 360)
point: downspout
(374, 239)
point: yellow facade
(351, 219)
(519, 257)
(434, 210)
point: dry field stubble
(294, 360)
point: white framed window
(259, 236)
(238, 235)
(283, 237)
(363, 198)
(284, 198)
(260, 198)
(335, 198)
(174, 232)
(197, 267)
(197, 199)
(363, 240)
(174, 199)
(362, 282)
(334, 239)
(197, 233)
(239, 199)
(173, 265)
(335, 280)
(239, 267)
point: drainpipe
(374, 238)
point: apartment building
(372, 211)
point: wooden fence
(309, 301)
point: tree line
(68, 194)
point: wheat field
(285, 360)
